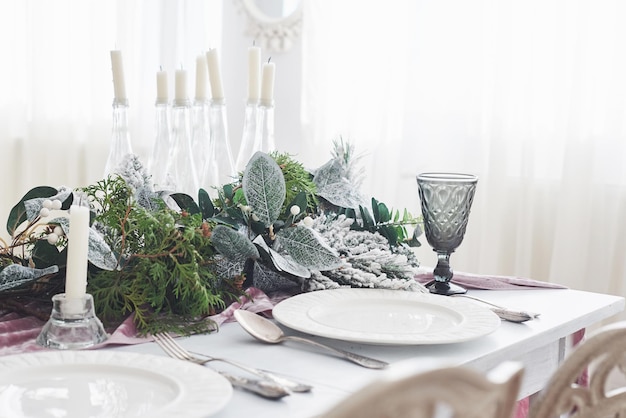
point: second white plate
(381, 316)
(112, 384)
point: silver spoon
(507, 314)
(265, 330)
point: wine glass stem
(443, 272)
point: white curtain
(529, 95)
(56, 85)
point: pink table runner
(18, 333)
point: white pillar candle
(215, 79)
(267, 83)
(77, 249)
(254, 72)
(201, 77)
(119, 87)
(162, 94)
(180, 87)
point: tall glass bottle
(249, 144)
(162, 151)
(221, 169)
(182, 164)
(265, 126)
(201, 140)
(120, 136)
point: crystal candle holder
(72, 325)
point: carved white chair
(442, 392)
(603, 354)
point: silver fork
(172, 348)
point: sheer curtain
(530, 96)
(56, 83)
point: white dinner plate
(90, 384)
(381, 316)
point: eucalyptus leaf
(45, 254)
(383, 213)
(232, 244)
(33, 206)
(299, 201)
(16, 275)
(264, 187)
(185, 202)
(268, 280)
(307, 248)
(100, 254)
(206, 206)
(342, 194)
(18, 213)
(283, 263)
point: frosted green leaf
(333, 186)
(268, 280)
(99, 253)
(33, 206)
(233, 245)
(308, 249)
(283, 262)
(15, 275)
(264, 187)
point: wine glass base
(445, 288)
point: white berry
(53, 238)
(58, 230)
(56, 204)
(44, 212)
(295, 209)
(47, 204)
(308, 221)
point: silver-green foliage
(264, 187)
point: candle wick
(269, 59)
(160, 68)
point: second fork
(185, 354)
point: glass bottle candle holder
(249, 144)
(201, 139)
(162, 150)
(73, 324)
(220, 169)
(265, 126)
(120, 136)
(183, 163)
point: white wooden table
(540, 344)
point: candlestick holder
(265, 126)
(73, 324)
(120, 137)
(249, 144)
(159, 165)
(220, 168)
(201, 139)
(183, 162)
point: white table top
(563, 312)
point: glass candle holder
(73, 324)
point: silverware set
(266, 384)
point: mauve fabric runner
(490, 282)
(18, 333)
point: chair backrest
(449, 391)
(601, 354)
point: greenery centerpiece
(172, 260)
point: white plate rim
(203, 392)
(477, 320)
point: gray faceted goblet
(446, 199)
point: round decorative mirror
(273, 24)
